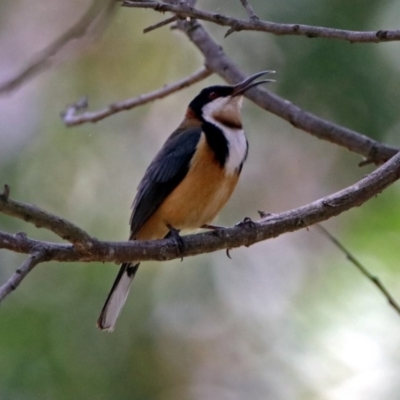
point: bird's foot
(176, 237)
(247, 222)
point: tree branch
(72, 118)
(374, 280)
(161, 24)
(186, 11)
(42, 219)
(249, 9)
(15, 280)
(20, 243)
(220, 63)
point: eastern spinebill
(190, 179)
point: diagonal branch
(249, 9)
(372, 150)
(160, 24)
(72, 118)
(27, 266)
(220, 63)
(42, 219)
(375, 280)
(97, 13)
(184, 10)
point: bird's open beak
(248, 83)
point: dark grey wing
(163, 175)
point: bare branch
(97, 12)
(184, 10)
(249, 9)
(372, 150)
(71, 118)
(161, 24)
(375, 280)
(245, 234)
(43, 219)
(20, 243)
(21, 273)
(218, 62)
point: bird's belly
(192, 207)
(196, 200)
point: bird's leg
(176, 237)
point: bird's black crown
(208, 95)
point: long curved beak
(248, 83)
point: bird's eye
(212, 95)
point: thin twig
(375, 280)
(17, 277)
(184, 10)
(249, 9)
(160, 24)
(220, 63)
(71, 118)
(21, 243)
(44, 58)
(42, 219)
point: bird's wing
(163, 175)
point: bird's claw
(176, 237)
(246, 222)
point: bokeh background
(286, 319)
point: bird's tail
(117, 297)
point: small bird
(190, 179)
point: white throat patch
(237, 144)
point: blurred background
(289, 318)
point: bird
(190, 179)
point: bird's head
(222, 104)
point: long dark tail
(117, 297)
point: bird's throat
(229, 145)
